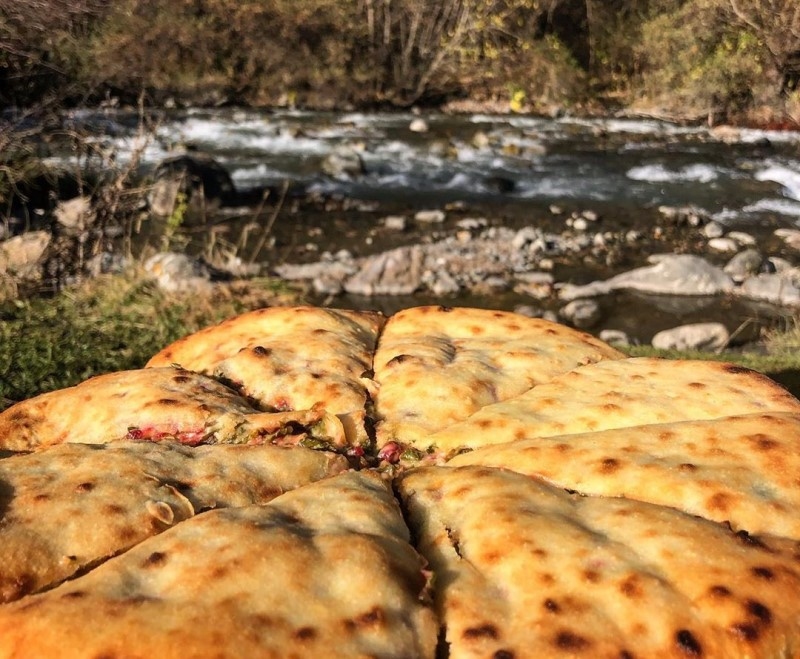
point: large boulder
(672, 274)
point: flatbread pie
(619, 394)
(435, 366)
(482, 485)
(157, 404)
(73, 505)
(290, 358)
(743, 471)
(325, 570)
(524, 569)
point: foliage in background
(112, 323)
(717, 58)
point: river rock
(789, 236)
(742, 239)
(709, 337)
(430, 216)
(396, 272)
(615, 337)
(724, 244)
(683, 215)
(395, 222)
(780, 289)
(197, 176)
(583, 314)
(441, 283)
(344, 162)
(744, 264)
(672, 274)
(21, 256)
(713, 230)
(74, 216)
(418, 125)
(175, 272)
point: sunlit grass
(109, 324)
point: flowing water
(509, 167)
(495, 159)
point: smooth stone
(672, 274)
(418, 125)
(615, 337)
(742, 239)
(583, 314)
(395, 222)
(21, 256)
(744, 264)
(708, 337)
(344, 162)
(430, 216)
(789, 236)
(713, 230)
(396, 272)
(778, 289)
(176, 272)
(723, 244)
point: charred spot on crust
(609, 465)
(551, 605)
(688, 644)
(687, 466)
(305, 633)
(155, 559)
(398, 359)
(74, 595)
(261, 351)
(759, 611)
(487, 630)
(445, 309)
(745, 631)
(168, 401)
(87, 486)
(503, 654)
(763, 573)
(567, 640)
(719, 591)
(180, 379)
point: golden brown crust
(155, 404)
(620, 394)
(663, 543)
(290, 358)
(527, 570)
(740, 469)
(71, 506)
(325, 570)
(437, 365)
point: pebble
(430, 216)
(713, 230)
(723, 244)
(615, 337)
(583, 314)
(742, 239)
(395, 222)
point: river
(515, 168)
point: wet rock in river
(744, 264)
(696, 336)
(672, 274)
(583, 314)
(344, 162)
(396, 272)
(779, 289)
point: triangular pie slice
(325, 570)
(290, 358)
(71, 506)
(741, 469)
(158, 404)
(527, 570)
(435, 366)
(618, 394)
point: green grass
(110, 324)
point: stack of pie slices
(445, 482)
